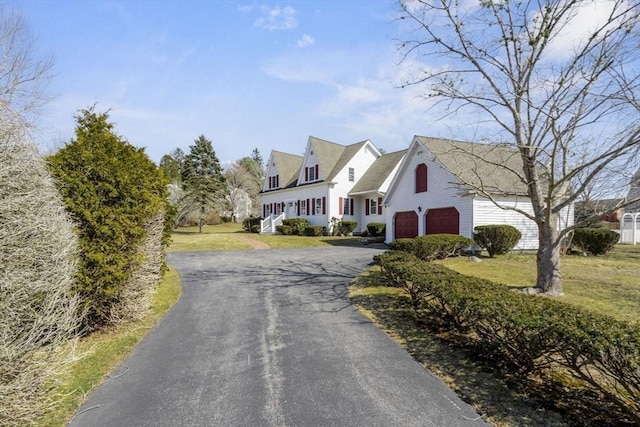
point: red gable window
(421, 178)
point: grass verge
(607, 284)
(105, 350)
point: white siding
(487, 213)
(360, 162)
(300, 193)
(441, 193)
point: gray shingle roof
(288, 167)
(347, 154)
(495, 169)
(379, 171)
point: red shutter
(282, 209)
(317, 175)
(298, 206)
(366, 206)
(379, 205)
(313, 203)
(350, 206)
(324, 205)
(308, 207)
(277, 181)
(306, 174)
(340, 205)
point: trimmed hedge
(432, 246)
(313, 230)
(496, 239)
(286, 230)
(298, 225)
(376, 228)
(598, 241)
(249, 225)
(523, 333)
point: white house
(330, 181)
(433, 191)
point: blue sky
(246, 74)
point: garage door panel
(405, 225)
(442, 221)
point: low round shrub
(249, 223)
(298, 225)
(376, 228)
(347, 227)
(433, 246)
(496, 239)
(313, 230)
(598, 241)
(286, 230)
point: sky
(245, 74)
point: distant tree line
(201, 192)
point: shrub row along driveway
(269, 338)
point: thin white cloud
(305, 41)
(277, 18)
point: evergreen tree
(203, 182)
(113, 191)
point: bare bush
(38, 313)
(134, 299)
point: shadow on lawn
(506, 401)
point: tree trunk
(549, 279)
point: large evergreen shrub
(497, 239)
(113, 191)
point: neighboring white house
(330, 181)
(433, 191)
(630, 223)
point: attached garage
(443, 220)
(405, 224)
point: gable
(379, 174)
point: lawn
(232, 237)
(607, 284)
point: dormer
(282, 171)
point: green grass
(105, 350)
(231, 237)
(606, 284)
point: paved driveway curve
(268, 338)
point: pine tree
(202, 179)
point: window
(352, 175)
(312, 175)
(421, 178)
(345, 206)
(373, 206)
(303, 207)
(318, 207)
(274, 181)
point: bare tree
(556, 80)
(24, 73)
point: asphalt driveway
(269, 338)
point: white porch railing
(630, 228)
(269, 224)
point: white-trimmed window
(318, 206)
(373, 206)
(303, 207)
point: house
(329, 181)
(435, 191)
(630, 224)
